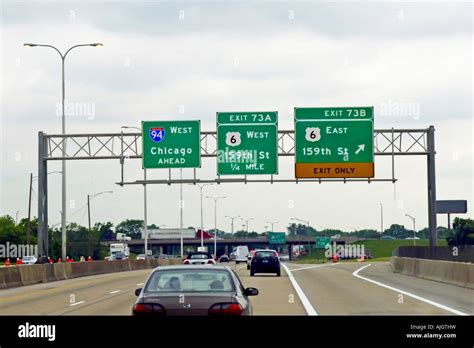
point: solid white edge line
(304, 300)
(76, 303)
(114, 292)
(140, 284)
(433, 303)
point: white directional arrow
(360, 148)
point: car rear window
(200, 256)
(263, 254)
(190, 281)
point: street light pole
(272, 223)
(232, 223)
(202, 218)
(89, 197)
(381, 218)
(414, 228)
(215, 222)
(247, 224)
(63, 128)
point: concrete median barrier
(450, 272)
(15, 276)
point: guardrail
(15, 276)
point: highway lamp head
(96, 44)
(30, 45)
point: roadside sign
(321, 242)
(171, 144)
(247, 143)
(276, 238)
(334, 142)
(451, 207)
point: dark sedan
(193, 290)
(265, 261)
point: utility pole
(246, 223)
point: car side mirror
(251, 292)
(138, 291)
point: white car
(29, 260)
(199, 258)
(141, 257)
(411, 238)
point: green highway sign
(321, 242)
(276, 238)
(334, 142)
(171, 144)
(247, 143)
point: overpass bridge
(224, 246)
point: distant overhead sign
(334, 142)
(322, 242)
(247, 143)
(171, 144)
(451, 207)
(276, 238)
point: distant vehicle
(141, 257)
(265, 261)
(199, 258)
(203, 249)
(336, 236)
(123, 237)
(165, 256)
(29, 260)
(212, 291)
(284, 257)
(239, 254)
(387, 237)
(224, 258)
(412, 238)
(119, 248)
(249, 258)
(119, 256)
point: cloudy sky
(186, 60)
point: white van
(239, 254)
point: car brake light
(226, 309)
(210, 262)
(142, 308)
(186, 262)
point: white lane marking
(304, 300)
(140, 284)
(76, 303)
(316, 266)
(416, 297)
(114, 292)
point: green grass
(381, 250)
(384, 248)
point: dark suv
(265, 261)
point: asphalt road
(315, 289)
